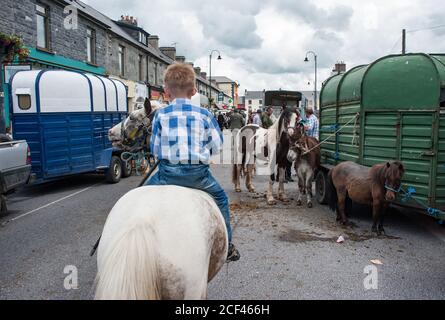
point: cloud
(263, 43)
(232, 28)
(336, 18)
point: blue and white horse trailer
(65, 117)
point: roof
(222, 79)
(116, 29)
(409, 81)
(254, 95)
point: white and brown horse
(151, 249)
(136, 126)
(272, 145)
(305, 152)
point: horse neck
(273, 130)
(377, 173)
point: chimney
(169, 52)
(340, 67)
(197, 71)
(180, 59)
(154, 41)
(129, 20)
(204, 75)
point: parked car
(15, 167)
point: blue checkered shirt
(312, 124)
(183, 133)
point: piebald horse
(151, 249)
(272, 145)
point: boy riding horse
(184, 137)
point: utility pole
(404, 41)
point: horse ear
(147, 106)
(388, 165)
(401, 167)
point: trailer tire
(126, 169)
(114, 172)
(321, 187)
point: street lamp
(315, 90)
(210, 65)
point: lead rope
(332, 135)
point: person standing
(257, 118)
(221, 121)
(312, 126)
(236, 120)
(266, 118)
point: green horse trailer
(392, 109)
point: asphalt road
(287, 252)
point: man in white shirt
(257, 118)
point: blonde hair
(180, 79)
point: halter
(131, 141)
(388, 186)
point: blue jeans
(196, 177)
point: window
(250, 101)
(141, 76)
(121, 57)
(91, 45)
(156, 73)
(42, 17)
(143, 38)
(24, 101)
(146, 69)
(260, 102)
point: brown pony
(375, 186)
(305, 151)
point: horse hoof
(271, 202)
(238, 190)
(252, 190)
(299, 203)
(310, 205)
(283, 198)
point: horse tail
(128, 268)
(331, 193)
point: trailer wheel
(126, 169)
(3, 208)
(114, 172)
(321, 187)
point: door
(417, 152)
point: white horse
(133, 126)
(152, 248)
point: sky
(263, 43)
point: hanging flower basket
(12, 46)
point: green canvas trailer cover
(400, 100)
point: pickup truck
(15, 167)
